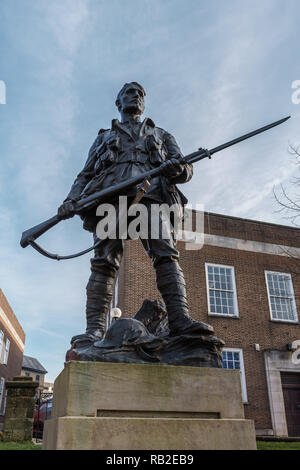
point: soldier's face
(132, 101)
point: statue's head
(130, 99)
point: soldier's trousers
(105, 265)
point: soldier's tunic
(122, 152)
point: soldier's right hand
(66, 210)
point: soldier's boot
(171, 284)
(99, 295)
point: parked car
(42, 412)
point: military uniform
(124, 151)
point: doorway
(291, 395)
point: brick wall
(14, 364)
(254, 325)
(236, 227)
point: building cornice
(8, 325)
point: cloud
(212, 71)
(244, 56)
(68, 22)
(38, 151)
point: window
(221, 290)
(37, 378)
(233, 359)
(281, 296)
(27, 374)
(7, 345)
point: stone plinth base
(108, 406)
(149, 434)
(19, 412)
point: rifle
(87, 202)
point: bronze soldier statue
(131, 152)
(129, 148)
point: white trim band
(7, 324)
(244, 245)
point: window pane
(231, 360)
(281, 297)
(221, 290)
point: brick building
(12, 341)
(243, 282)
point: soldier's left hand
(174, 167)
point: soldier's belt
(140, 157)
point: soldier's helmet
(129, 332)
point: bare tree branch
(290, 205)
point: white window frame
(113, 304)
(6, 352)
(242, 371)
(116, 293)
(235, 301)
(4, 403)
(1, 344)
(293, 298)
(2, 383)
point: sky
(212, 70)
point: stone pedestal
(18, 423)
(113, 406)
